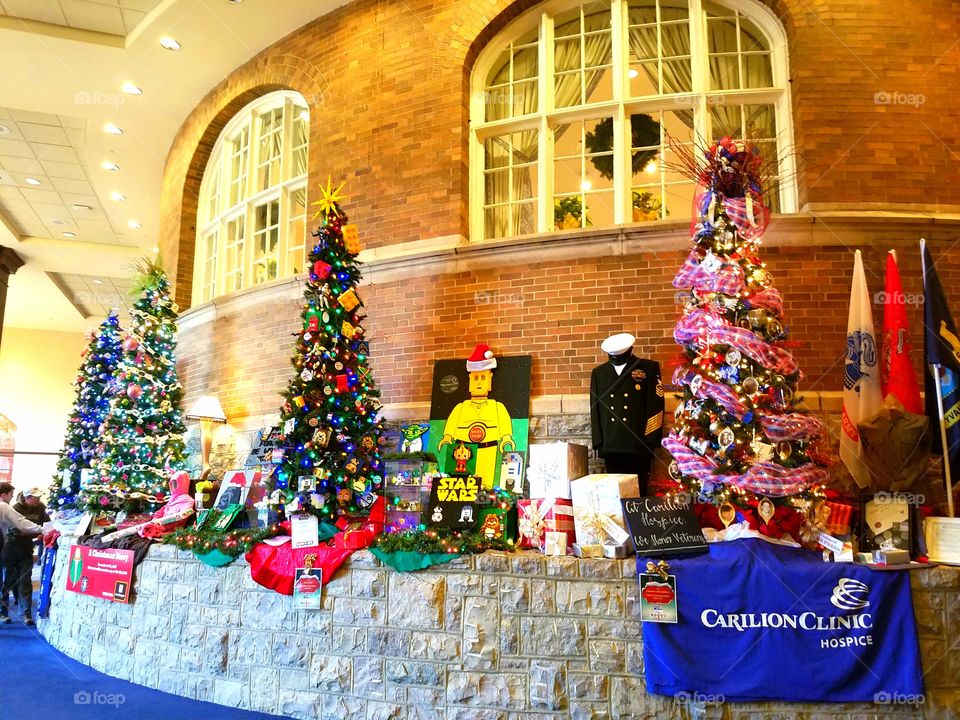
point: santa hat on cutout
(481, 359)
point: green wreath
(644, 131)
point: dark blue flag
(941, 346)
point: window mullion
(546, 88)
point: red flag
(896, 373)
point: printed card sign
(307, 585)
(305, 530)
(662, 526)
(453, 502)
(106, 574)
(658, 598)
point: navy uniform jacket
(626, 410)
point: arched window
(251, 219)
(572, 107)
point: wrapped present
(838, 521)
(555, 543)
(351, 238)
(597, 512)
(538, 517)
(552, 466)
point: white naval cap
(618, 344)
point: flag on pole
(941, 346)
(861, 376)
(897, 377)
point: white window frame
(622, 106)
(219, 170)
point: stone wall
(491, 637)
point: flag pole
(943, 440)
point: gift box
(597, 512)
(537, 517)
(555, 543)
(551, 467)
(838, 521)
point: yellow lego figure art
(480, 421)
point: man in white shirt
(10, 518)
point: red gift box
(538, 517)
(838, 523)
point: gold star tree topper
(329, 197)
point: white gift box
(597, 513)
(552, 466)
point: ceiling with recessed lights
(44, 187)
(119, 17)
(91, 97)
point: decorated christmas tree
(331, 464)
(739, 442)
(93, 383)
(141, 439)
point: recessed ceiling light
(69, 234)
(109, 165)
(58, 221)
(632, 73)
(97, 282)
(81, 206)
(130, 89)
(234, 2)
(117, 196)
(32, 181)
(4, 130)
(112, 129)
(169, 43)
(133, 225)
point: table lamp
(208, 411)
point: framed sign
(454, 502)
(662, 526)
(102, 573)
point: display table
(488, 637)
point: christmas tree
(331, 463)
(739, 442)
(93, 383)
(141, 439)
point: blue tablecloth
(759, 621)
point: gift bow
(600, 525)
(534, 520)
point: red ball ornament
(131, 344)
(134, 391)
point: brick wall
(387, 82)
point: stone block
(368, 677)
(417, 600)
(528, 563)
(340, 584)
(509, 635)
(605, 628)
(586, 711)
(348, 640)
(562, 566)
(303, 705)
(505, 691)
(292, 650)
(316, 622)
(600, 568)
(266, 611)
(385, 711)
(433, 646)
(543, 597)
(547, 686)
(453, 613)
(295, 680)
(588, 686)
(339, 706)
(231, 693)
(514, 595)
(629, 701)
(590, 598)
(369, 583)
(355, 611)
(607, 656)
(265, 697)
(480, 632)
(492, 561)
(404, 672)
(388, 642)
(553, 636)
(250, 647)
(331, 673)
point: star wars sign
(453, 502)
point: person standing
(20, 524)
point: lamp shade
(207, 408)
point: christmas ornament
(766, 509)
(351, 238)
(134, 391)
(727, 514)
(322, 270)
(349, 300)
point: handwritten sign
(662, 526)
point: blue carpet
(38, 681)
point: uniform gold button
(624, 407)
(625, 395)
(624, 419)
